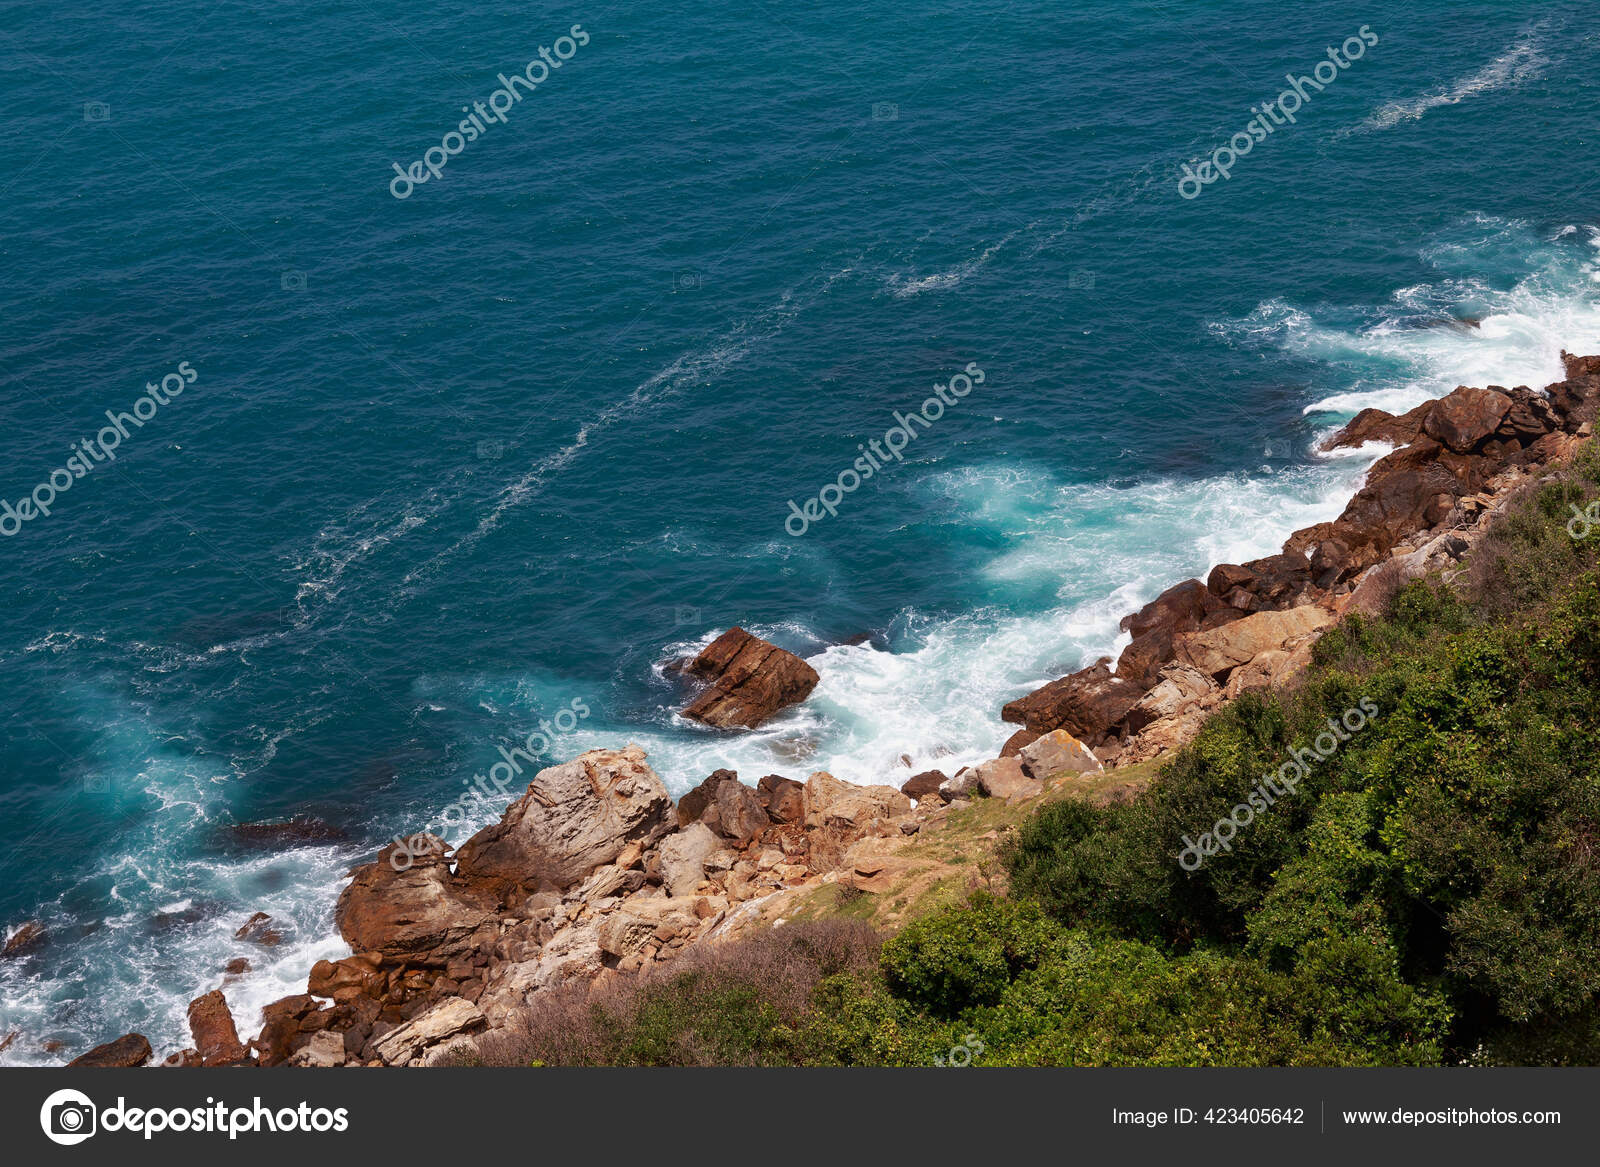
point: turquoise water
(452, 462)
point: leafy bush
(1446, 859)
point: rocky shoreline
(594, 872)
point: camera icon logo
(96, 784)
(491, 449)
(293, 281)
(685, 614)
(1080, 280)
(68, 1117)
(885, 111)
(96, 111)
(688, 281)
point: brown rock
(343, 980)
(1140, 663)
(1058, 752)
(236, 967)
(1178, 609)
(574, 818)
(1374, 425)
(131, 1049)
(1530, 417)
(215, 1036)
(256, 930)
(919, 786)
(420, 910)
(750, 680)
(726, 805)
(1087, 704)
(1180, 690)
(26, 938)
(1015, 743)
(782, 798)
(1220, 651)
(1466, 418)
(281, 1026)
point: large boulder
(1274, 581)
(831, 802)
(1181, 689)
(783, 799)
(683, 858)
(750, 680)
(344, 980)
(1178, 609)
(726, 805)
(1530, 417)
(1221, 650)
(1005, 778)
(131, 1049)
(408, 913)
(1088, 704)
(215, 1036)
(1466, 418)
(574, 818)
(1058, 752)
(920, 786)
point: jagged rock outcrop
(727, 806)
(574, 817)
(1221, 650)
(431, 1036)
(421, 909)
(215, 1036)
(1088, 704)
(750, 680)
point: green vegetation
(1429, 893)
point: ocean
(455, 462)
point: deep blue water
(453, 462)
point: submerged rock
(25, 939)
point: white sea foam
(1522, 60)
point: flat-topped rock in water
(750, 680)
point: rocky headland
(594, 872)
